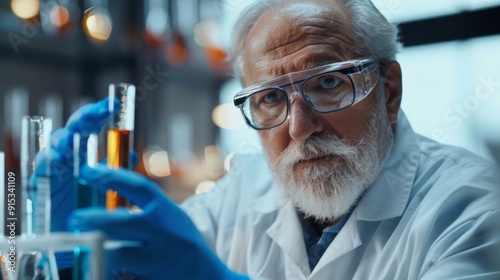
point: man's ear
(393, 86)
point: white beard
(326, 190)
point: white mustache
(318, 146)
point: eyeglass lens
(324, 93)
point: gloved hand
(88, 119)
(172, 247)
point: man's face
(323, 160)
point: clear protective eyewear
(325, 89)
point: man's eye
(328, 82)
(273, 97)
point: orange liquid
(118, 153)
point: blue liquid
(81, 267)
(85, 196)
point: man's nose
(303, 121)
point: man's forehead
(289, 22)
(299, 15)
(297, 35)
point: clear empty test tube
(120, 135)
(35, 191)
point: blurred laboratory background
(57, 55)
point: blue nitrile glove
(172, 247)
(87, 120)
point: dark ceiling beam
(462, 26)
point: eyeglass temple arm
(370, 76)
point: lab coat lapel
(287, 233)
(347, 240)
(285, 230)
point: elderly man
(346, 191)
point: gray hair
(377, 37)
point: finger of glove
(62, 141)
(122, 225)
(136, 188)
(60, 168)
(119, 224)
(91, 118)
(133, 155)
(85, 121)
(144, 193)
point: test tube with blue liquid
(84, 152)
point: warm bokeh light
(216, 58)
(97, 24)
(177, 53)
(204, 186)
(159, 164)
(206, 33)
(156, 162)
(227, 116)
(59, 16)
(25, 9)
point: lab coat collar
(388, 196)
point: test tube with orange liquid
(120, 135)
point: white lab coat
(433, 213)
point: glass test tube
(35, 197)
(120, 135)
(84, 196)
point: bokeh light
(206, 33)
(156, 162)
(25, 9)
(59, 16)
(177, 53)
(227, 116)
(156, 27)
(97, 24)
